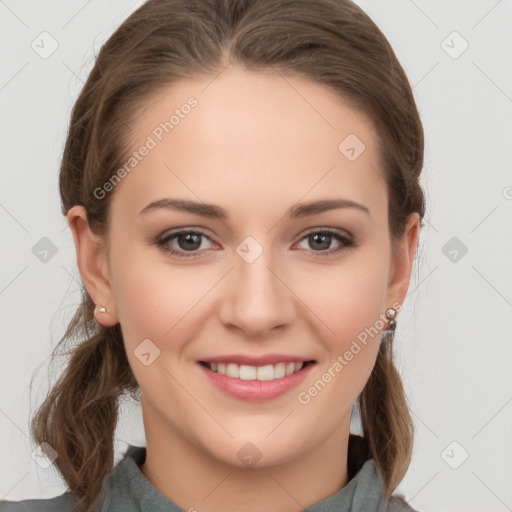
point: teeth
(233, 370)
(265, 372)
(279, 370)
(245, 372)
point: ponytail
(386, 420)
(79, 415)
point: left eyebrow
(304, 210)
(216, 212)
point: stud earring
(103, 310)
(388, 334)
(391, 315)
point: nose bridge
(257, 300)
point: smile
(256, 383)
(246, 372)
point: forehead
(256, 139)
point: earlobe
(403, 260)
(92, 264)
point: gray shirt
(127, 490)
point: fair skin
(254, 147)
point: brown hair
(331, 42)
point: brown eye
(184, 244)
(189, 241)
(320, 242)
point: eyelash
(163, 242)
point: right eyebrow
(203, 209)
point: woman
(241, 179)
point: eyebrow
(216, 212)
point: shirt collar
(128, 489)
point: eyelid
(325, 229)
(187, 229)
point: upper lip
(256, 360)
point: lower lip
(256, 390)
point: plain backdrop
(453, 340)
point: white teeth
(245, 372)
(233, 370)
(279, 370)
(265, 372)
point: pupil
(322, 236)
(190, 238)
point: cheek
(155, 300)
(348, 298)
(349, 306)
(140, 305)
(158, 303)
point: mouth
(256, 378)
(267, 372)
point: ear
(92, 261)
(402, 259)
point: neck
(194, 480)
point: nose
(257, 299)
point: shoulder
(369, 492)
(62, 503)
(117, 489)
(397, 503)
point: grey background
(453, 339)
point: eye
(190, 243)
(321, 240)
(186, 243)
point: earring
(389, 333)
(103, 310)
(390, 315)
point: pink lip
(256, 361)
(256, 390)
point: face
(251, 279)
